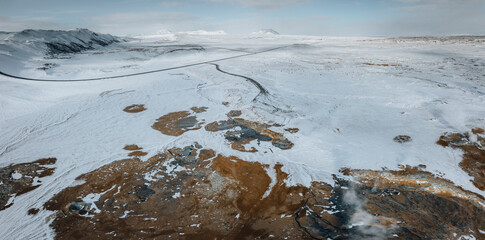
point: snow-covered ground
(348, 96)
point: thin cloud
(10, 25)
(262, 4)
(142, 22)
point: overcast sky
(309, 17)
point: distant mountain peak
(267, 31)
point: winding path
(262, 90)
(146, 72)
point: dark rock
(402, 139)
(143, 192)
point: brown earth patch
(199, 109)
(425, 206)
(292, 130)
(135, 108)
(176, 123)
(234, 113)
(33, 211)
(241, 132)
(187, 191)
(195, 193)
(137, 154)
(132, 147)
(19, 179)
(473, 154)
(478, 131)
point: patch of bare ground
(195, 193)
(177, 123)
(135, 151)
(473, 153)
(292, 130)
(189, 191)
(199, 109)
(135, 108)
(381, 64)
(234, 113)
(132, 147)
(18, 179)
(423, 205)
(241, 132)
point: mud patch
(473, 153)
(177, 123)
(135, 108)
(18, 179)
(241, 132)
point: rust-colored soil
(176, 123)
(474, 154)
(199, 109)
(187, 191)
(135, 150)
(195, 193)
(234, 113)
(241, 132)
(19, 179)
(426, 207)
(478, 131)
(137, 154)
(135, 108)
(132, 147)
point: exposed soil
(132, 147)
(18, 179)
(187, 191)
(177, 123)
(234, 113)
(422, 205)
(199, 109)
(195, 193)
(473, 153)
(33, 211)
(135, 108)
(292, 130)
(381, 64)
(241, 132)
(137, 154)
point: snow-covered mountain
(266, 31)
(204, 32)
(56, 41)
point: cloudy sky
(309, 17)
